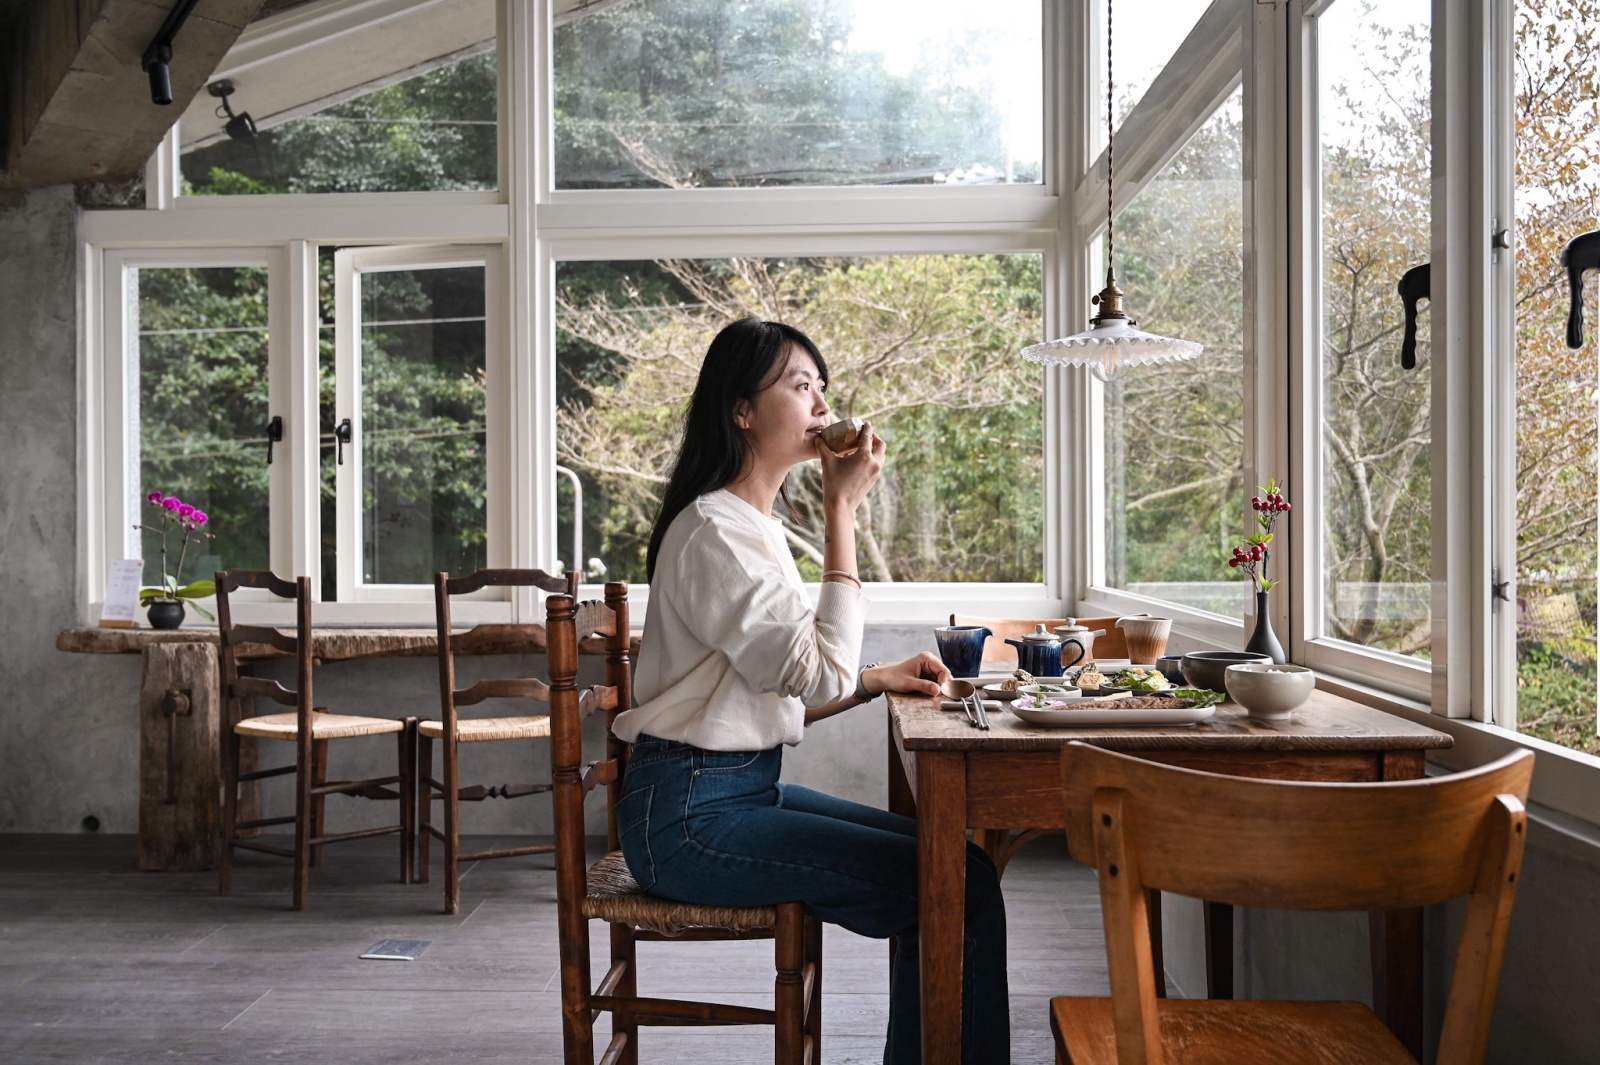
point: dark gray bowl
(1205, 669)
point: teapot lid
(1040, 635)
(1072, 626)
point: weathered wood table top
(1326, 722)
(333, 644)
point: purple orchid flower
(154, 497)
(172, 503)
(199, 518)
(185, 510)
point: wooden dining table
(952, 777)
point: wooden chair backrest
(482, 639)
(995, 649)
(235, 687)
(1297, 846)
(566, 623)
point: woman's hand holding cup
(847, 478)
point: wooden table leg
(1219, 950)
(1397, 941)
(180, 771)
(941, 901)
(901, 801)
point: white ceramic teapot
(1074, 635)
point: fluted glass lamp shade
(1111, 344)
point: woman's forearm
(839, 543)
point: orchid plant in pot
(1251, 555)
(165, 601)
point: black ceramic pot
(165, 614)
(1205, 669)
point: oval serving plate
(1117, 713)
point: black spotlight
(240, 127)
(157, 58)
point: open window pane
(200, 430)
(1145, 34)
(925, 347)
(1557, 154)
(698, 93)
(1174, 433)
(421, 437)
(407, 105)
(1375, 121)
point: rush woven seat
(311, 728)
(453, 728)
(606, 890)
(324, 726)
(613, 895)
(483, 729)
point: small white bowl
(1269, 692)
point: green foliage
(1556, 696)
(721, 92)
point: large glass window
(925, 347)
(1174, 482)
(418, 125)
(1557, 154)
(1144, 39)
(1374, 119)
(200, 427)
(699, 93)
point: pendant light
(1110, 345)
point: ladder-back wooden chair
(308, 727)
(452, 730)
(607, 891)
(1293, 846)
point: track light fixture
(157, 58)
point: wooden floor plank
(99, 962)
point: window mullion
(1460, 320)
(297, 489)
(347, 404)
(1500, 706)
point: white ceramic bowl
(1267, 691)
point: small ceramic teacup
(1171, 667)
(1267, 690)
(1146, 636)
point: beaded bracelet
(841, 573)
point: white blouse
(732, 651)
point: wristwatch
(861, 684)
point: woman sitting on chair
(735, 663)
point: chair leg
(302, 820)
(230, 806)
(789, 986)
(814, 1005)
(623, 949)
(319, 803)
(424, 807)
(408, 799)
(452, 831)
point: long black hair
(741, 361)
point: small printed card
(397, 950)
(122, 593)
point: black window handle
(343, 433)
(1414, 285)
(1581, 253)
(274, 435)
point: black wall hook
(1414, 285)
(274, 435)
(1581, 253)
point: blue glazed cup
(961, 648)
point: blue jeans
(716, 828)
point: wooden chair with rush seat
(1285, 845)
(311, 729)
(453, 730)
(607, 891)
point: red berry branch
(1252, 552)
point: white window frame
(538, 226)
(350, 264)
